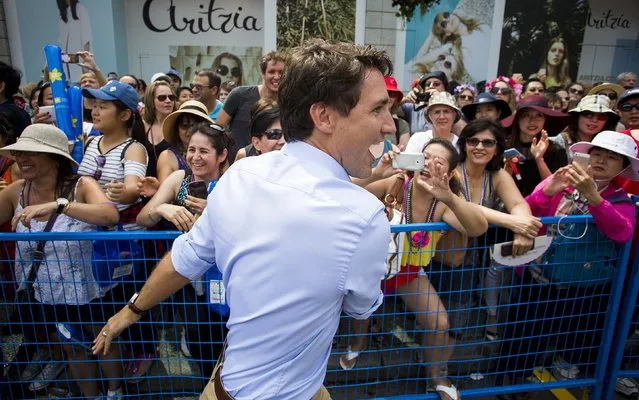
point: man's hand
(114, 327)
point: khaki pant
(209, 390)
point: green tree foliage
(406, 8)
(299, 20)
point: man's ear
(323, 117)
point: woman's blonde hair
(471, 24)
(149, 101)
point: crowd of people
(154, 153)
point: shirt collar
(308, 153)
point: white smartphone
(409, 161)
(582, 159)
(512, 152)
(50, 110)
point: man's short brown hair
(328, 73)
(271, 56)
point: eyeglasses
(224, 70)
(576, 91)
(497, 90)
(628, 107)
(162, 98)
(444, 22)
(18, 153)
(594, 115)
(273, 134)
(199, 87)
(100, 160)
(466, 97)
(487, 143)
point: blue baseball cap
(174, 73)
(115, 90)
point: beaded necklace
(417, 239)
(467, 186)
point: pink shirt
(616, 221)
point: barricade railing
(430, 330)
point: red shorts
(406, 275)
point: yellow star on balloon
(74, 121)
(55, 75)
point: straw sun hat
(41, 138)
(191, 107)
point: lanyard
(467, 186)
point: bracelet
(135, 309)
(66, 208)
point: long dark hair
(62, 6)
(41, 89)
(573, 129)
(479, 125)
(65, 177)
(453, 161)
(136, 127)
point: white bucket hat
(41, 138)
(616, 142)
(596, 103)
(443, 99)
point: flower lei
(516, 87)
(465, 86)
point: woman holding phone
(206, 154)
(432, 195)
(180, 200)
(536, 158)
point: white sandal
(349, 356)
(451, 391)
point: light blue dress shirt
(297, 243)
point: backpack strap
(88, 143)
(126, 146)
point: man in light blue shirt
(297, 243)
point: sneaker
(47, 376)
(183, 346)
(627, 386)
(35, 365)
(114, 394)
(563, 370)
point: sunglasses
(594, 115)
(273, 134)
(444, 22)
(224, 70)
(576, 91)
(628, 107)
(100, 160)
(496, 90)
(466, 97)
(487, 143)
(217, 127)
(18, 153)
(611, 96)
(199, 87)
(162, 98)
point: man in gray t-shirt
(236, 113)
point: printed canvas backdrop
(611, 41)
(543, 37)
(239, 64)
(454, 37)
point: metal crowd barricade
(397, 362)
(624, 356)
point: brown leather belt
(220, 392)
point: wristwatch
(62, 205)
(133, 307)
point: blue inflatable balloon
(75, 99)
(61, 101)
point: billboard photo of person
(229, 67)
(554, 71)
(457, 42)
